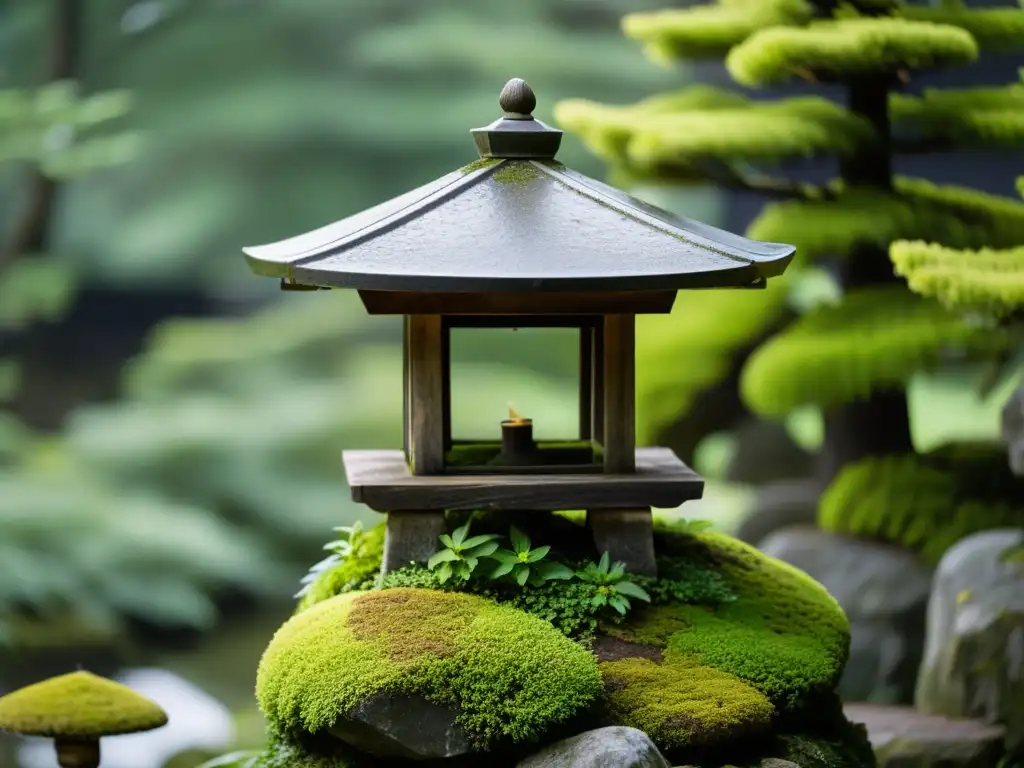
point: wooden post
(411, 537)
(619, 395)
(597, 377)
(425, 386)
(406, 391)
(586, 378)
(627, 535)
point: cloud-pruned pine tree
(850, 357)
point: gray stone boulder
(903, 737)
(616, 746)
(406, 727)
(883, 590)
(1013, 429)
(778, 505)
(974, 655)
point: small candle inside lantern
(516, 437)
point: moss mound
(78, 704)
(682, 705)
(508, 675)
(784, 634)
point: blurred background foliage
(170, 425)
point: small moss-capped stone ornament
(76, 710)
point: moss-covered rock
(784, 634)
(682, 705)
(507, 675)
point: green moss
(784, 633)
(849, 748)
(956, 217)
(297, 750)
(507, 674)
(924, 503)
(709, 30)
(845, 47)
(683, 705)
(550, 452)
(874, 339)
(476, 165)
(518, 172)
(357, 571)
(78, 704)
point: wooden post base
(627, 535)
(411, 537)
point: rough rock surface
(884, 592)
(1013, 429)
(403, 726)
(779, 505)
(613, 746)
(906, 738)
(974, 655)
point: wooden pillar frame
(619, 394)
(424, 394)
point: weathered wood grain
(382, 481)
(619, 394)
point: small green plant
(526, 565)
(340, 549)
(613, 587)
(461, 554)
(691, 527)
(246, 759)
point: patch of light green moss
(845, 47)
(684, 705)
(357, 571)
(784, 634)
(518, 172)
(874, 339)
(924, 503)
(477, 165)
(78, 704)
(507, 674)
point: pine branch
(839, 49)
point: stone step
(905, 738)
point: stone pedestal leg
(627, 535)
(411, 537)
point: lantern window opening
(512, 448)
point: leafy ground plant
(461, 554)
(613, 585)
(340, 549)
(526, 565)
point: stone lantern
(513, 240)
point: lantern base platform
(382, 481)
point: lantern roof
(516, 220)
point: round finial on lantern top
(517, 100)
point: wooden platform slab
(382, 481)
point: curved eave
(306, 259)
